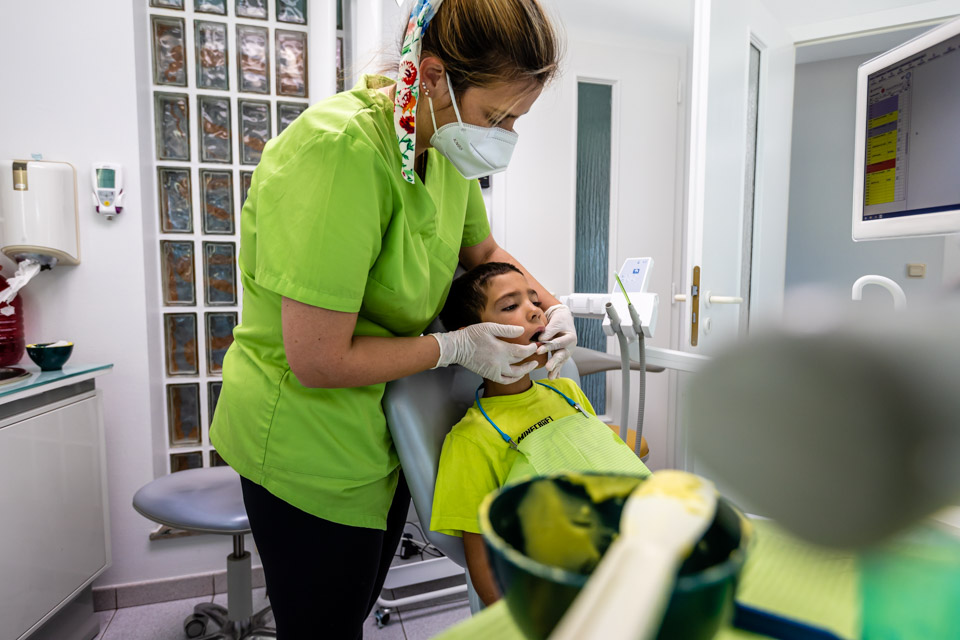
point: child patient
(513, 430)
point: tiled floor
(164, 620)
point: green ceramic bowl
(49, 358)
(538, 595)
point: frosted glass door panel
(53, 539)
(592, 256)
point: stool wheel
(383, 617)
(195, 625)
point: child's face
(511, 300)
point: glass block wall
(227, 76)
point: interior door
(732, 172)
(735, 175)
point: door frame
(771, 182)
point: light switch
(916, 270)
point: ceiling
(794, 14)
(654, 19)
(673, 19)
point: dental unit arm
(629, 312)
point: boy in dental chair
(515, 430)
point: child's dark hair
(468, 295)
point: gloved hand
(479, 348)
(559, 337)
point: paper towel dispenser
(38, 212)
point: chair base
(195, 625)
(385, 607)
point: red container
(12, 343)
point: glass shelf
(39, 378)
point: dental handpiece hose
(624, 367)
(643, 374)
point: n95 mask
(474, 151)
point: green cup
(910, 587)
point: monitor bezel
(928, 224)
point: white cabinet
(53, 511)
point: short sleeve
(465, 477)
(320, 219)
(476, 227)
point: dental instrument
(627, 322)
(642, 349)
(625, 370)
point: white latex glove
(480, 349)
(558, 338)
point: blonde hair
(483, 43)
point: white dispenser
(38, 212)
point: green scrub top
(329, 221)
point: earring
(425, 90)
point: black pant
(323, 578)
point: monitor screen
(907, 179)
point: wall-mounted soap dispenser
(38, 212)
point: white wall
(71, 93)
(819, 249)
(537, 220)
(376, 32)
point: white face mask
(474, 151)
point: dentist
(356, 219)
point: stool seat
(206, 500)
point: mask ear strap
(432, 117)
(453, 99)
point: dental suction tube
(624, 366)
(635, 317)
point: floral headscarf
(408, 86)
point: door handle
(711, 299)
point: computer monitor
(907, 155)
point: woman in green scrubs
(355, 221)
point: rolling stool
(210, 501)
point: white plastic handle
(682, 297)
(712, 299)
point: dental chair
(420, 411)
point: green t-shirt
(330, 222)
(475, 460)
